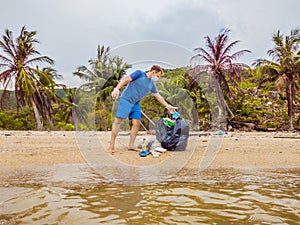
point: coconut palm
(70, 110)
(103, 74)
(219, 62)
(45, 93)
(18, 62)
(285, 66)
(66, 109)
(195, 87)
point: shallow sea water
(234, 198)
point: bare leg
(134, 131)
(114, 132)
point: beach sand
(20, 150)
(33, 148)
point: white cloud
(254, 22)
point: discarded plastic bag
(173, 138)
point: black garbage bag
(173, 138)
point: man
(139, 84)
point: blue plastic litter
(144, 153)
(176, 115)
(220, 132)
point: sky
(143, 33)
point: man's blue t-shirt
(138, 87)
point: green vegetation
(222, 72)
(285, 69)
(218, 93)
(33, 87)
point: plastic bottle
(144, 145)
(145, 151)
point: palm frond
(239, 54)
(40, 59)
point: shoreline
(84, 177)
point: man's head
(156, 71)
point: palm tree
(18, 59)
(45, 93)
(285, 67)
(218, 61)
(103, 75)
(70, 110)
(67, 108)
(195, 87)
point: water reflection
(165, 203)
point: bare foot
(132, 148)
(111, 150)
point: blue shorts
(127, 109)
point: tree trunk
(222, 109)
(219, 111)
(104, 115)
(195, 118)
(37, 115)
(51, 123)
(289, 96)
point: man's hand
(171, 108)
(159, 98)
(115, 94)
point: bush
(82, 127)
(13, 121)
(64, 126)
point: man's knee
(118, 121)
(136, 122)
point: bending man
(139, 84)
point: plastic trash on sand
(155, 154)
(173, 138)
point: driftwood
(288, 137)
(251, 126)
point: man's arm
(164, 103)
(116, 92)
(123, 82)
